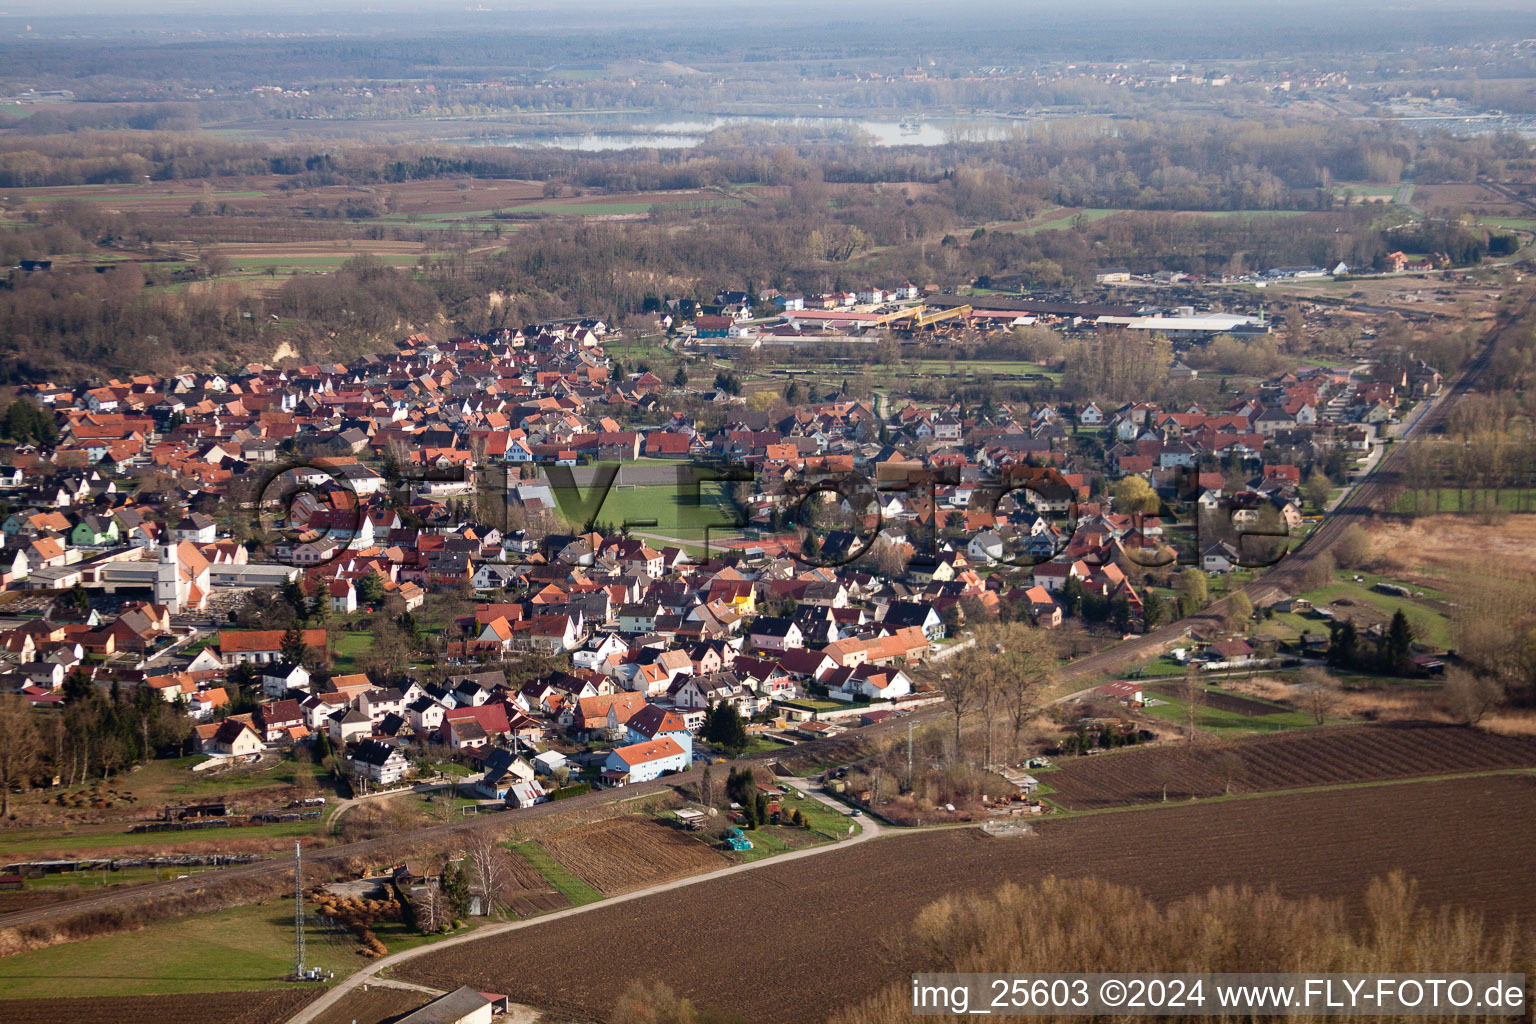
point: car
(855, 813)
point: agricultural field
(1225, 714)
(142, 791)
(839, 924)
(1470, 197)
(376, 1003)
(264, 194)
(1452, 500)
(117, 841)
(1429, 548)
(224, 1007)
(627, 853)
(528, 891)
(1331, 756)
(1365, 191)
(556, 876)
(248, 947)
(74, 885)
(98, 815)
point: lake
(685, 133)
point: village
(555, 645)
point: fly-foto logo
(309, 514)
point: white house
(197, 528)
(597, 652)
(503, 770)
(348, 724)
(426, 714)
(343, 597)
(986, 546)
(379, 762)
(641, 762)
(776, 634)
(277, 678)
(235, 738)
(1053, 575)
(1219, 557)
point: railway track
(1364, 501)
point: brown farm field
(1466, 196)
(528, 893)
(626, 853)
(262, 193)
(1425, 548)
(836, 927)
(224, 1007)
(372, 1005)
(1287, 760)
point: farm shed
(1124, 691)
(692, 818)
(1026, 784)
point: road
(1281, 580)
(869, 829)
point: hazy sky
(782, 10)
(1155, 27)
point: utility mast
(298, 910)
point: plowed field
(376, 1004)
(625, 853)
(528, 892)
(1225, 702)
(1290, 760)
(223, 1007)
(836, 927)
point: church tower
(168, 579)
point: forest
(1166, 161)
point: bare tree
(488, 869)
(988, 688)
(1469, 697)
(1229, 765)
(959, 686)
(1192, 693)
(1163, 771)
(20, 745)
(890, 560)
(432, 911)
(1319, 694)
(1353, 548)
(1318, 571)
(1031, 655)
